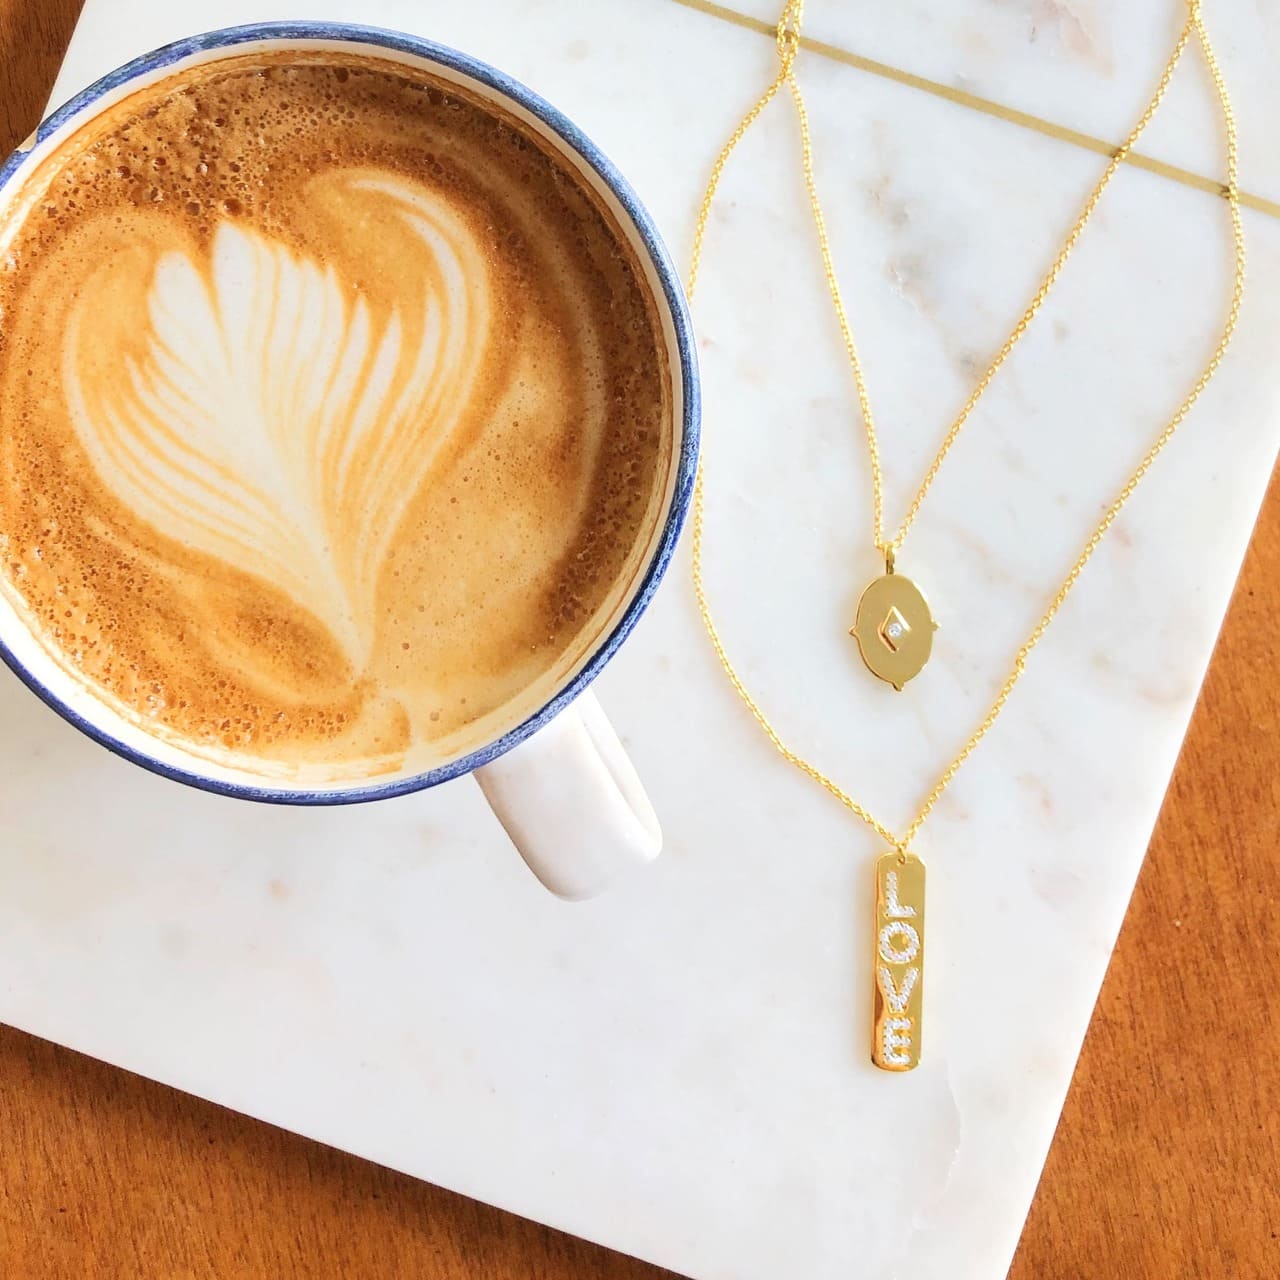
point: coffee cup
(140, 434)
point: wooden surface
(1166, 1164)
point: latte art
(335, 419)
(272, 417)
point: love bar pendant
(899, 962)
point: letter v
(896, 997)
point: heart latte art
(335, 419)
(269, 414)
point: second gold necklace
(898, 945)
(894, 625)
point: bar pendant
(899, 962)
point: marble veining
(679, 1069)
(1085, 64)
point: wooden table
(1166, 1164)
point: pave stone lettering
(899, 962)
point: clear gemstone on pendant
(894, 628)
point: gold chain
(788, 41)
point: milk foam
(273, 418)
(335, 416)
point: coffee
(335, 418)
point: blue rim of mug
(686, 462)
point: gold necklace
(898, 961)
(894, 626)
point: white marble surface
(1078, 63)
(679, 1069)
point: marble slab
(679, 1069)
(1087, 64)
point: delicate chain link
(788, 40)
(1046, 285)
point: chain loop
(788, 34)
(788, 42)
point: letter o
(899, 943)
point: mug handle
(572, 803)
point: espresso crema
(335, 419)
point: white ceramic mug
(559, 781)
